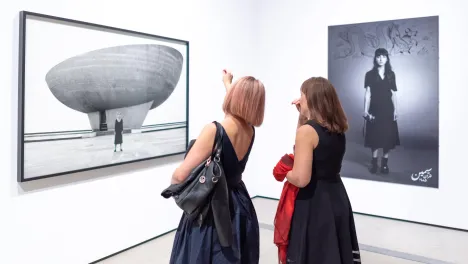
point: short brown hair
(246, 100)
(324, 104)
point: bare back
(237, 143)
(240, 136)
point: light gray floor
(49, 157)
(382, 242)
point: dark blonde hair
(324, 104)
(246, 100)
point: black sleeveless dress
(200, 245)
(322, 227)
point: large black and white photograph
(92, 97)
(387, 76)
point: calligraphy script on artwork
(422, 176)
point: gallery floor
(382, 242)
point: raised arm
(227, 80)
(199, 152)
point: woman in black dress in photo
(380, 110)
(322, 226)
(118, 131)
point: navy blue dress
(200, 245)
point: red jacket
(285, 209)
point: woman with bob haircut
(244, 106)
(322, 226)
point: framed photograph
(93, 96)
(387, 76)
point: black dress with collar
(382, 132)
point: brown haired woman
(322, 226)
(244, 106)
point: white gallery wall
(293, 40)
(83, 217)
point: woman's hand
(287, 160)
(368, 116)
(302, 118)
(227, 79)
(297, 103)
(395, 115)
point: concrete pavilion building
(130, 79)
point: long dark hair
(389, 74)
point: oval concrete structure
(116, 77)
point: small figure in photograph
(118, 131)
(380, 110)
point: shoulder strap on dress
(252, 140)
(318, 128)
(313, 124)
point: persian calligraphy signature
(422, 176)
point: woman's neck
(236, 120)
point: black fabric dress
(118, 132)
(382, 132)
(322, 227)
(200, 245)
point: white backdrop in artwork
(49, 43)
